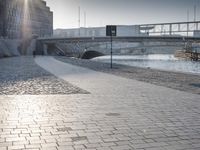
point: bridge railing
(176, 28)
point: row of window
(30, 15)
(33, 24)
(19, 20)
(31, 27)
(18, 34)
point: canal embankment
(9, 48)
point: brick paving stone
(150, 117)
(65, 148)
(18, 147)
(123, 147)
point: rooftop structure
(24, 18)
(122, 30)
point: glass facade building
(24, 18)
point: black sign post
(111, 31)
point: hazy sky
(123, 12)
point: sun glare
(26, 19)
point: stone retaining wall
(9, 48)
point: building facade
(24, 18)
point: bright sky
(123, 12)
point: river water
(155, 61)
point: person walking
(34, 53)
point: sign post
(111, 31)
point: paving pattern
(118, 114)
(21, 76)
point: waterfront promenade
(87, 109)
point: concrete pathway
(98, 83)
(118, 114)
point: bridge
(149, 35)
(119, 39)
(80, 44)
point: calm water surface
(155, 61)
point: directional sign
(111, 30)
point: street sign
(111, 30)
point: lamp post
(79, 20)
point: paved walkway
(118, 113)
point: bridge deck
(122, 39)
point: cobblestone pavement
(180, 81)
(20, 75)
(118, 114)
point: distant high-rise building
(24, 18)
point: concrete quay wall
(9, 48)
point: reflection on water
(156, 61)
